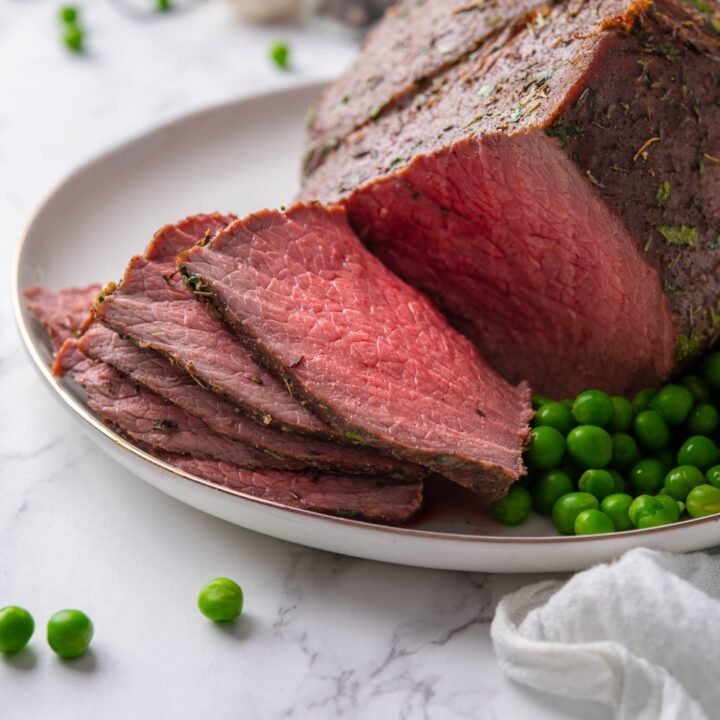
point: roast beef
(556, 191)
(364, 498)
(368, 353)
(374, 498)
(152, 307)
(63, 312)
(147, 417)
(157, 373)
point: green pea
(568, 507)
(74, 38)
(568, 401)
(642, 400)
(673, 402)
(616, 507)
(697, 387)
(625, 451)
(712, 476)
(514, 508)
(557, 415)
(546, 450)
(69, 633)
(16, 629)
(667, 457)
(702, 420)
(163, 5)
(672, 506)
(597, 482)
(700, 451)
(589, 446)
(593, 522)
(681, 480)
(618, 480)
(647, 511)
(221, 600)
(651, 430)
(710, 370)
(622, 415)
(539, 400)
(703, 500)
(571, 468)
(593, 407)
(280, 55)
(647, 477)
(69, 14)
(550, 486)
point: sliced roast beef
(363, 498)
(158, 374)
(62, 313)
(368, 353)
(559, 199)
(153, 308)
(130, 409)
(147, 417)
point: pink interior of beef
(363, 344)
(517, 249)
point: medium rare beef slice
(368, 497)
(364, 498)
(561, 204)
(147, 417)
(157, 312)
(367, 352)
(158, 374)
(63, 312)
(153, 308)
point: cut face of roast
(556, 193)
(368, 353)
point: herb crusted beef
(556, 192)
(152, 307)
(368, 353)
(200, 366)
(150, 419)
(157, 373)
(368, 497)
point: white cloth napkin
(641, 635)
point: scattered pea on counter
(73, 33)
(601, 464)
(221, 600)
(69, 633)
(280, 55)
(16, 629)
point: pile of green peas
(600, 464)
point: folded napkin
(641, 635)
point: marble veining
(323, 636)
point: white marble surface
(323, 636)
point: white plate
(240, 157)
